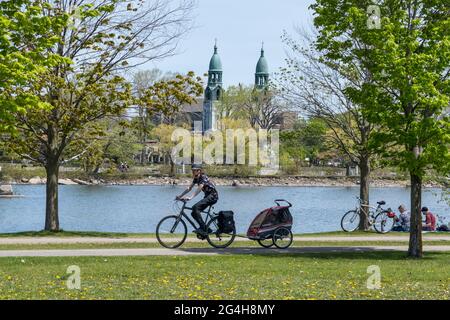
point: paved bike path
(152, 239)
(204, 251)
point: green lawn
(138, 235)
(303, 276)
(205, 244)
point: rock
(81, 182)
(235, 183)
(66, 182)
(94, 182)
(24, 180)
(6, 190)
(36, 180)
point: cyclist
(210, 198)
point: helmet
(196, 167)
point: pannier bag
(226, 221)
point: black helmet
(424, 209)
(196, 167)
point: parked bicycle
(382, 220)
(171, 231)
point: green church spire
(213, 91)
(215, 64)
(262, 71)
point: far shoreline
(283, 181)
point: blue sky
(239, 26)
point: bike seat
(381, 203)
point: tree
(26, 34)
(165, 98)
(104, 39)
(110, 140)
(406, 49)
(163, 133)
(142, 80)
(318, 87)
(312, 136)
(233, 98)
(306, 140)
(260, 107)
(263, 109)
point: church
(205, 110)
(214, 86)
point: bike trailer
(270, 219)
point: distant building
(205, 110)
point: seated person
(430, 220)
(403, 222)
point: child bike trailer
(272, 226)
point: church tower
(213, 92)
(262, 72)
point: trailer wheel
(282, 238)
(266, 243)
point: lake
(139, 208)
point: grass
(204, 244)
(303, 276)
(63, 234)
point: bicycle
(381, 219)
(171, 231)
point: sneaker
(199, 236)
(200, 231)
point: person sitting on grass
(404, 220)
(430, 220)
(210, 198)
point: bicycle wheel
(282, 238)
(171, 232)
(219, 239)
(383, 224)
(350, 221)
(266, 243)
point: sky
(240, 27)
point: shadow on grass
(324, 253)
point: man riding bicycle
(210, 198)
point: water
(139, 208)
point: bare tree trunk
(172, 165)
(96, 170)
(143, 152)
(51, 211)
(415, 236)
(364, 174)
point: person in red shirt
(430, 220)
